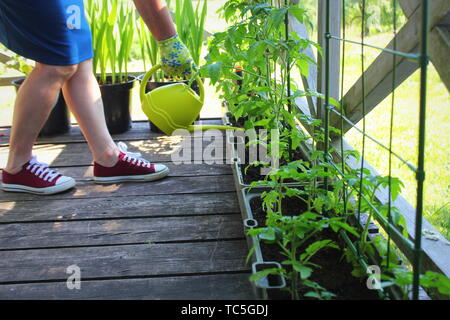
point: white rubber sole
(136, 178)
(41, 191)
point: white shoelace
(133, 158)
(41, 170)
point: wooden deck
(177, 238)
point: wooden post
(335, 52)
(439, 41)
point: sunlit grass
(405, 134)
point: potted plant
(150, 57)
(112, 26)
(58, 121)
(190, 25)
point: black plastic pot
(151, 85)
(117, 100)
(58, 121)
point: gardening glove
(176, 60)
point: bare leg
(157, 17)
(83, 97)
(35, 100)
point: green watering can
(174, 106)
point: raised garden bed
(337, 191)
(335, 273)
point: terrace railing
(425, 36)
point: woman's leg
(83, 97)
(111, 164)
(35, 100)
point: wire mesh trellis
(422, 59)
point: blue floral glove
(176, 60)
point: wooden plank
(4, 58)
(437, 253)
(77, 154)
(17, 236)
(438, 9)
(309, 82)
(404, 69)
(170, 185)
(335, 52)
(210, 287)
(44, 209)
(379, 74)
(140, 130)
(123, 261)
(409, 6)
(85, 173)
(438, 45)
(378, 78)
(7, 81)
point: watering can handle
(156, 68)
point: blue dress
(53, 32)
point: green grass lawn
(405, 134)
(405, 130)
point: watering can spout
(174, 106)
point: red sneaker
(37, 178)
(129, 167)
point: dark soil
(334, 274)
(239, 123)
(289, 206)
(254, 173)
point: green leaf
(264, 273)
(305, 272)
(263, 122)
(359, 273)
(267, 234)
(347, 227)
(214, 71)
(313, 248)
(298, 13)
(437, 280)
(312, 294)
(250, 254)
